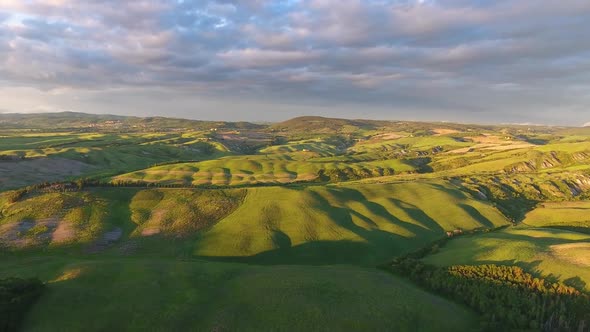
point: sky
(482, 61)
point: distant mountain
(296, 126)
(320, 124)
(76, 120)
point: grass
(43, 157)
(253, 169)
(181, 212)
(560, 214)
(53, 220)
(162, 295)
(550, 252)
(365, 224)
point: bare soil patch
(442, 131)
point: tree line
(344, 174)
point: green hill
(558, 253)
(258, 169)
(366, 224)
(360, 223)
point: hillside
(321, 125)
(548, 252)
(335, 224)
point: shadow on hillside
(312, 253)
(475, 214)
(537, 239)
(343, 217)
(118, 211)
(417, 214)
(576, 229)
(576, 282)
(379, 229)
(450, 191)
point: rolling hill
(157, 223)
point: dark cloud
(525, 61)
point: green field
(164, 294)
(560, 214)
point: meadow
(97, 294)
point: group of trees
(14, 196)
(16, 297)
(507, 297)
(352, 173)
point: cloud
(254, 58)
(525, 61)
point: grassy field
(560, 214)
(558, 253)
(161, 295)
